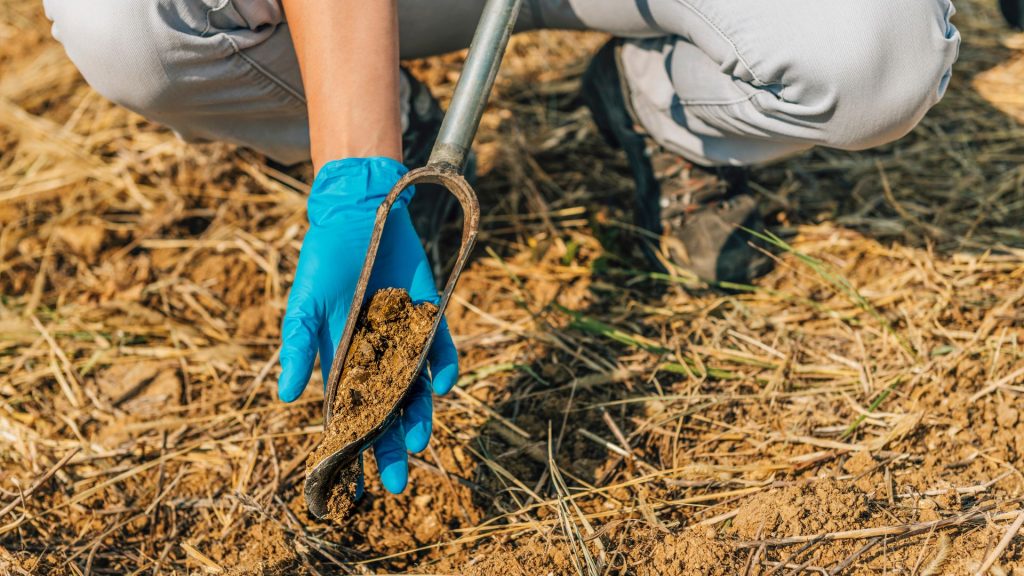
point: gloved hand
(341, 209)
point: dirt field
(856, 412)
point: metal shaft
(475, 83)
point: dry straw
(855, 412)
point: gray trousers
(716, 81)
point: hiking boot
(432, 207)
(689, 216)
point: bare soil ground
(856, 412)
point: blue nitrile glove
(342, 207)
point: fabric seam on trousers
(209, 11)
(725, 37)
(281, 84)
(762, 137)
(709, 103)
(266, 73)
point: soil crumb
(344, 493)
(823, 506)
(390, 334)
(694, 551)
(267, 552)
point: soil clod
(268, 552)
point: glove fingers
(328, 339)
(392, 461)
(417, 418)
(408, 267)
(444, 360)
(298, 351)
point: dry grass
(855, 411)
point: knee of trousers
(165, 59)
(876, 84)
(122, 50)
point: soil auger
(445, 168)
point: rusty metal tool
(445, 168)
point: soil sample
(390, 335)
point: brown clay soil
(857, 411)
(390, 334)
(267, 552)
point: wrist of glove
(354, 188)
(341, 209)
